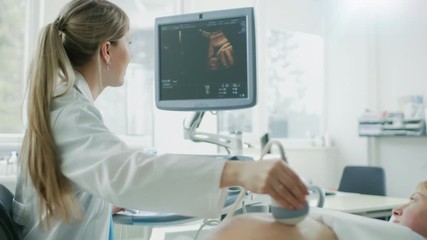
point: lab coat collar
(81, 85)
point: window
(294, 86)
(290, 90)
(13, 26)
(128, 110)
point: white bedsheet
(353, 227)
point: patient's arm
(261, 226)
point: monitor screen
(206, 61)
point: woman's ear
(105, 52)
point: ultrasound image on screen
(203, 60)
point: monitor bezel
(210, 104)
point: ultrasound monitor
(206, 61)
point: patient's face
(413, 214)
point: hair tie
(59, 24)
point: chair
(8, 227)
(363, 179)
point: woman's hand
(272, 177)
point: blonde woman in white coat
(73, 169)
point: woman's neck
(91, 75)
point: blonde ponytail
(70, 42)
(50, 66)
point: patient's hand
(116, 209)
(261, 226)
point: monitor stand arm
(233, 144)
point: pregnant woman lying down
(409, 222)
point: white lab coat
(105, 171)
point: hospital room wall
(402, 61)
(376, 54)
(350, 70)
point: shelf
(388, 135)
